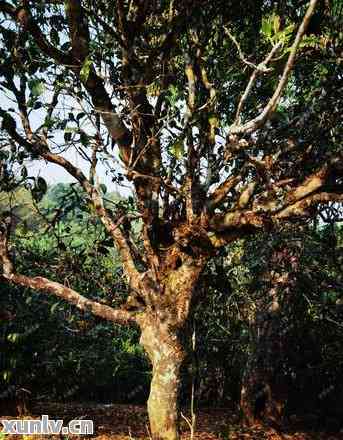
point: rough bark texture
(166, 354)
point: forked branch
(259, 121)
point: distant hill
(24, 209)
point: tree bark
(166, 353)
(264, 392)
(265, 387)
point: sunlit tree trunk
(166, 336)
(166, 353)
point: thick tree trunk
(166, 354)
(165, 336)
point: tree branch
(300, 208)
(259, 121)
(5, 226)
(250, 220)
(295, 202)
(143, 119)
(74, 59)
(246, 194)
(311, 184)
(220, 239)
(261, 68)
(257, 67)
(23, 16)
(112, 228)
(82, 303)
(219, 194)
(79, 35)
(57, 289)
(237, 220)
(78, 30)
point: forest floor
(130, 422)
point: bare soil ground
(130, 422)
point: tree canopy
(215, 142)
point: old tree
(223, 121)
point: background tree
(295, 295)
(213, 152)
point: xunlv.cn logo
(47, 426)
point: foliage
(48, 347)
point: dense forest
(210, 286)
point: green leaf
(108, 242)
(103, 188)
(84, 139)
(4, 155)
(154, 89)
(8, 123)
(42, 185)
(102, 250)
(40, 189)
(80, 116)
(6, 375)
(213, 121)
(67, 136)
(267, 27)
(84, 72)
(62, 246)
(36, 86)
(173, 94)
(23, 172)
(49, 122)
(177, 149)
(54, 36)
(65, 46)
(13, 337)
(37, 105)
(276, 23)
(289, 30)
(270, 28)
